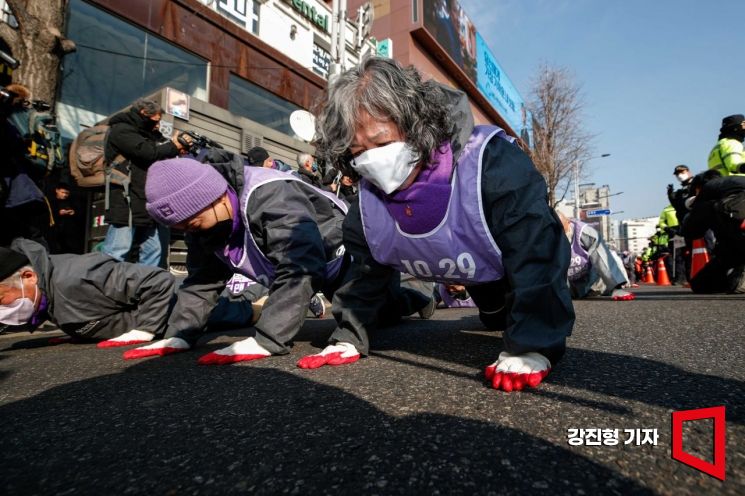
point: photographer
(133, 235)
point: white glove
(166, 346)
(240, 351)
(132, 337)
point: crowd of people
(705, 219)
(389, 227)
(36, 202)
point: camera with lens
(41, 106)
(197, 143)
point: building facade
(592, 199)
(260, 59)
(634, 233)
(438, 38)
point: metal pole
(342, 34)
(576, 189)
(334, 34)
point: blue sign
(597, 213)
(385, 48)
(493, 82)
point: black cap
(257, 155)
(732, 121)
(11, 261)
(680, 168)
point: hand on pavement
(621, 295)
(163, 347)
(514, 372)
(333, 354)
(132, 337)
(240, 351)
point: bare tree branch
(559, 139)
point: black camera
(41, 106)
(197, 141)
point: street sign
(385, 48)
(597, 213)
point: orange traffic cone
(648, 276)
(662, 279)
(699, 256)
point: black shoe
(317, 307)
(428, 310)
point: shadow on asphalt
(184, 429)
(622, 376)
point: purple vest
(253, 263)
(580, 262)
(458, 250)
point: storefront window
(260, 105)
(115, 64)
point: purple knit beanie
(178, 188)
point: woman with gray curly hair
(445, 201)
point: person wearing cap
(718, 204)
(728, 156)
(264, 224)
(445, 201)
(89, 296)
(677, 197)
(593, 269)
(259, 157)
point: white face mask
(20, 311)
(387, 167)
(682, 176)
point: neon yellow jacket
(727, 157)
(659, 238)
(668, 218)
(646, 253)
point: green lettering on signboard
(309, 12)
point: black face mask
(216, 237)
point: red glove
(163, 347)
(333, 354)
(240, 351)
(514, 372)
(621, 295)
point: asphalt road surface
(416, 417)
